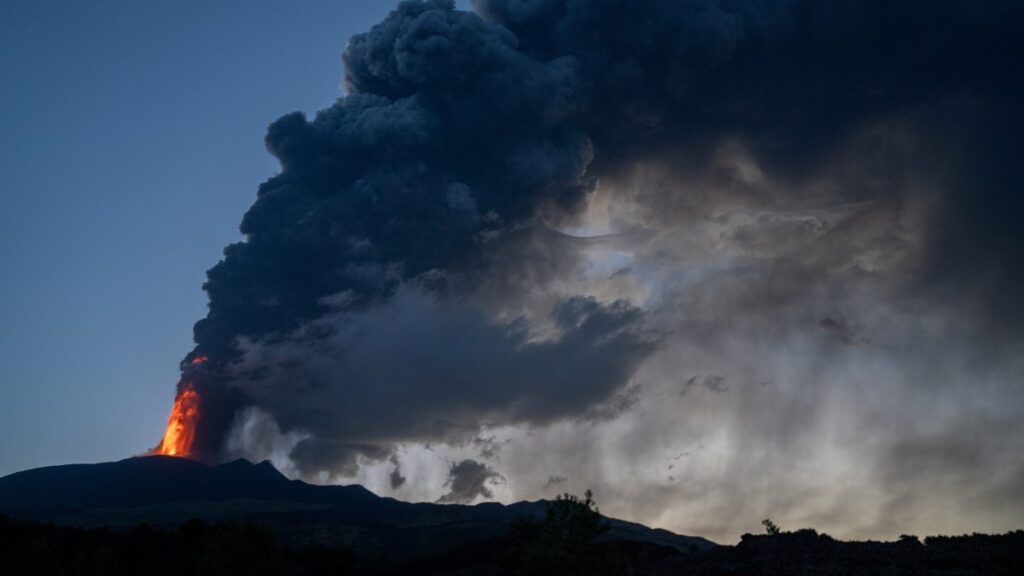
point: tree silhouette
(562, 542)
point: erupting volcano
(181, 425)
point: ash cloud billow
(521, 216)
(468, 480)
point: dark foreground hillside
(171, 516)
(165, 492)
(197, 548)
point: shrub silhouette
(770, 528)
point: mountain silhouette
(167, 491)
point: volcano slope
(165, 492)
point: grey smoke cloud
(468, 481)
(414, 369)
(546, 217)
(395, 477)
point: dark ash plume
(449, 137)
(435, 189)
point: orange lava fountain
(181, 426)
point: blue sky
(132, 144)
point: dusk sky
(133, 144)
(717, 261)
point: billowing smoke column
(387, 287)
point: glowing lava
(181, 426)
